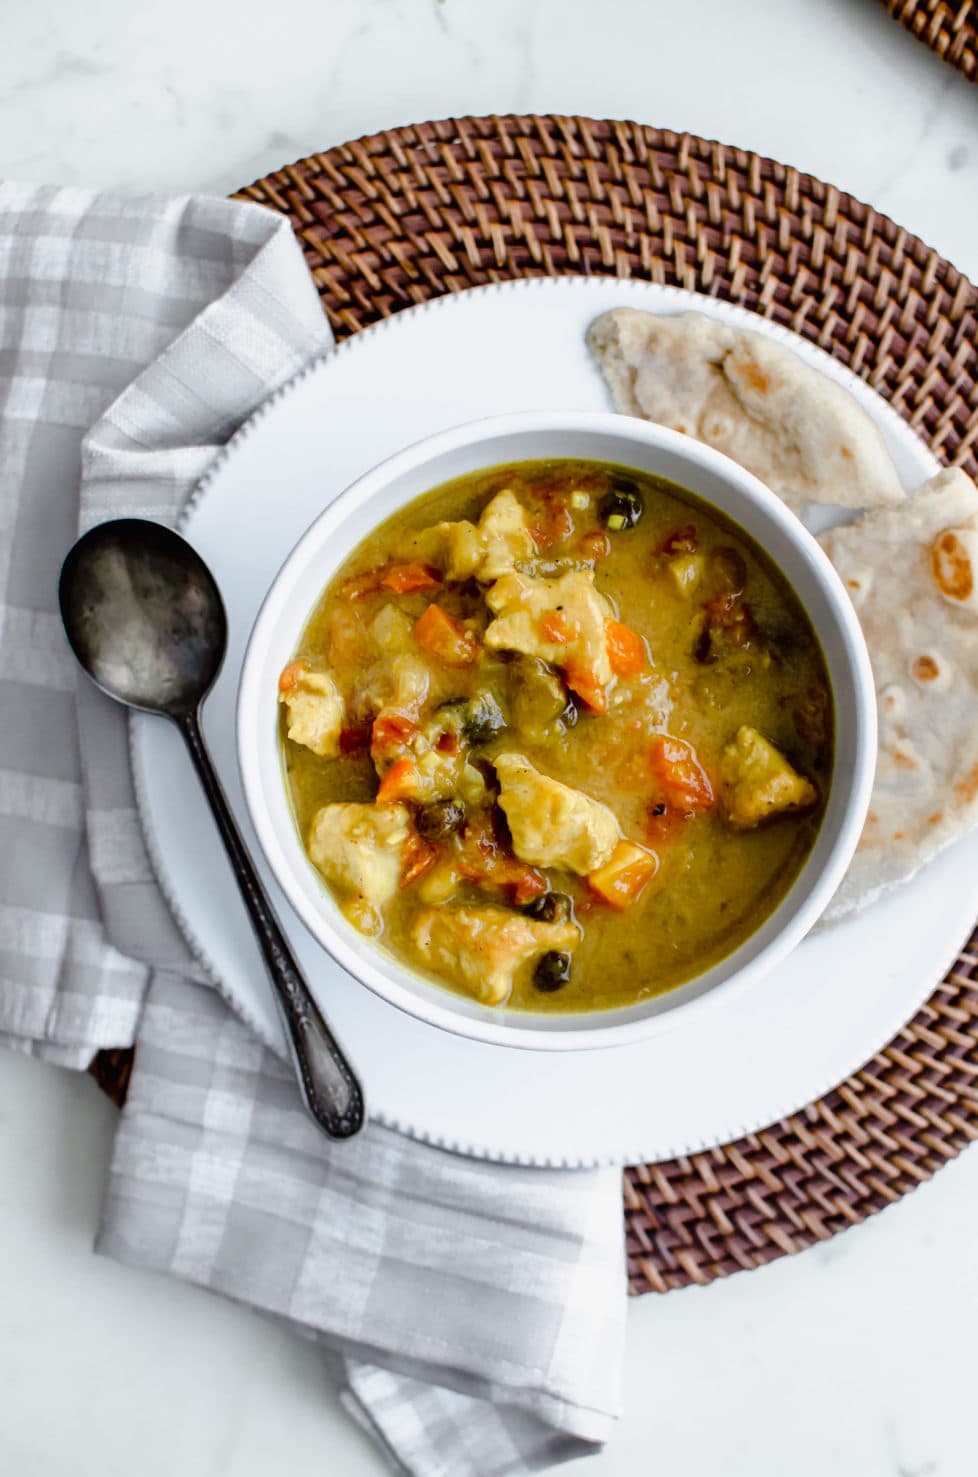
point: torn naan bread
(912, 574)
(750, 397)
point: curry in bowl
(558, 735)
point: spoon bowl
(145, 619)
(144, 616)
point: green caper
(440, 819)
(483, 719)
(538, 698)
(552, 971)
(703, 646)
(552, 907)
(477, 719)
(622, 507)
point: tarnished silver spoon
(146, 621)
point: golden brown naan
(912, 574)
(748, 396)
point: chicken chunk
(402, 683)
(551, 824)
(482, 551)
(505, 536)
(314, 707)
(758, 782)
(484, 948)
(357, 848)
(563, 621)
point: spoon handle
(331, 1091)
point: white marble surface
(855, 1359)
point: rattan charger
(411, 214)
(948, 27)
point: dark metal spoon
(146, 620)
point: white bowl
(509, 438)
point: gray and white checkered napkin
(474, 1313)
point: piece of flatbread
(912, 574)
(750, 397)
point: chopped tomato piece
(729, 614)
(682, 777)
(595, 545)
(626, 649)
(485, 862)
(681, 540)
(398, 781)
(557, 628)
(405, 578)
(418, 856)
(585, 683)
(623, 878)
(389, 729)
(402, 579)
(445, 638)
(354, 741)
(520, 883)
(291, 675)
(554, 522)
(360, 585)
(525, 884)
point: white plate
(727, 1071)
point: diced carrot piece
(398, 781)
(405, 578)
(418, 856)
(623, 878)
(585, 683)
(682, 777)
(626, 649)
(557, 628)
(291, 675)
(445, 638)
(391, 728)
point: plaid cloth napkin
(474, 1314)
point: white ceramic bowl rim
(627, 441)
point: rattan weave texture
(950, 29)
(416, 212)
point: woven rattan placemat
(949, 27)
(408, 215)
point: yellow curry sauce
(654, 696)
